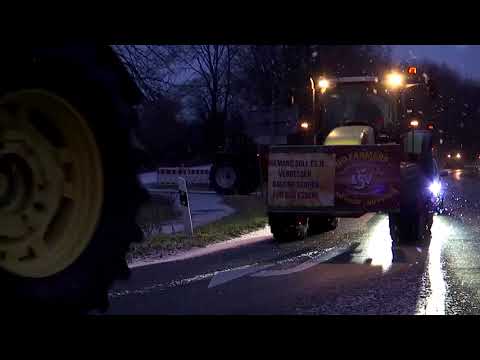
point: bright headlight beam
(435, 188)
(324, 84)
(394, 80)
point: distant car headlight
(435, 188)
(458, 156)
(449, 156)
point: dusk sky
(463, 58)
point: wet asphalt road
(352, 270)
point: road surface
(352, 270)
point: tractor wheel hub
(51, 184)
(15, 180)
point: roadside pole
(185, 204)
(259, 168)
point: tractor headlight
(435, 188)
(394, 80)
(324, 84)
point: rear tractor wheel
(286, 227)
(224, 178)
(68, 192)
(322, 224)
(410, 228)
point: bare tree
(210, 68)
(208, 71)
(152, 67)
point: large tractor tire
(229, 176)
(321, 224)
(69, 194)
(411, 227)
(286, 227)
(224, 177)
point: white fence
(192, 175)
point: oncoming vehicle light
(458, 156)
(435, 188)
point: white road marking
(175, 283)
(303, 266)
(256, 270)
(227, 276)
(223, 276)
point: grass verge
(156, 211)
(250, 215)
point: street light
(414, 123)
(305, 125)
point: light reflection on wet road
(378, 246)
(435, 300)
(353, 270)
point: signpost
(185, 204)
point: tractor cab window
(357, 104)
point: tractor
(366, 158)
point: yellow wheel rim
(51, 184)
